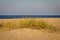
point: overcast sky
(29, 7)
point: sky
(29, 7)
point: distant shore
(28, 16)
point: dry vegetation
(51, 24)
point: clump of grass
(27, 23)
(41, 24)
(10, 25)
(33, 24)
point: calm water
(29, 16)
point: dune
(27, 33)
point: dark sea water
(29, 16)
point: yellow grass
(35, 23)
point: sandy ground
(28, 34)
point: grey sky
(29, 7)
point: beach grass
(28, 23)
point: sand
(28, 34)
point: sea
(28, 16)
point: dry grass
(51, 24)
